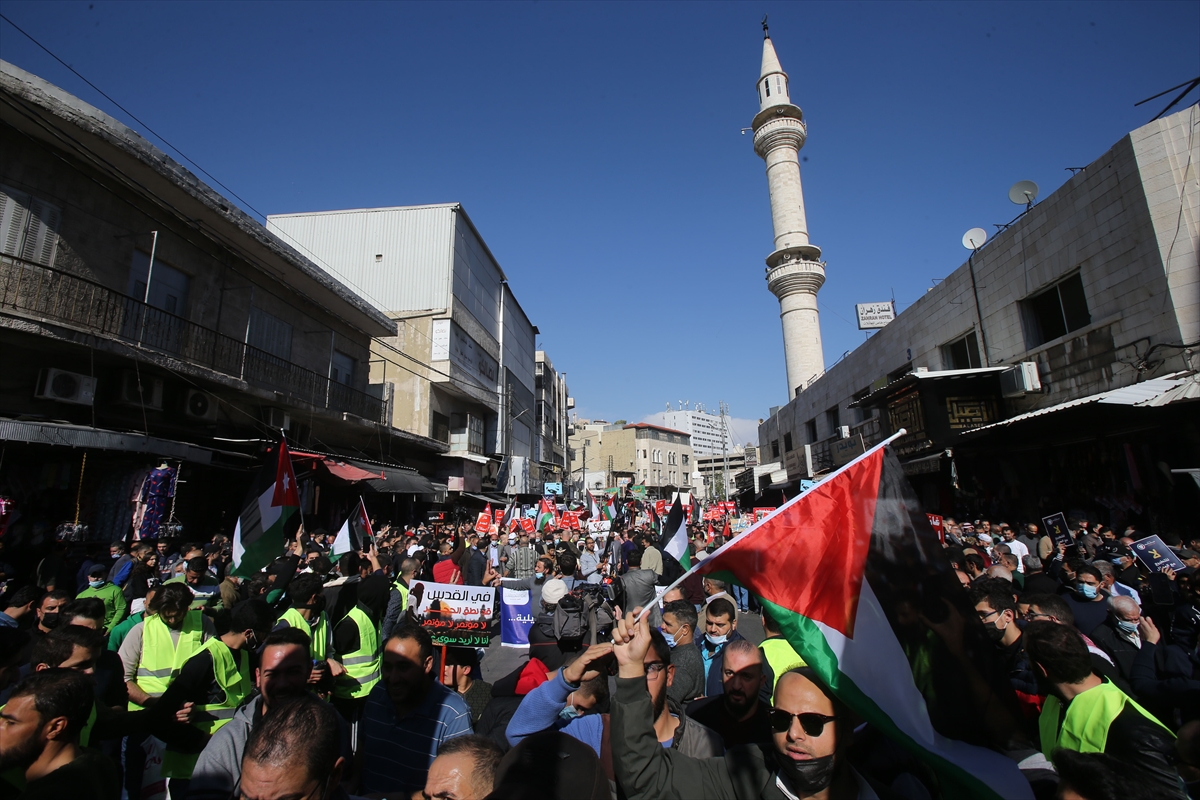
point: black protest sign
(1154, 553)
(1056, 529)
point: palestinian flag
(546, 515)
(266, 521)
(355, 534)
(510, 516)
(609, 512)
(674, 539)
(833, 566)
(593, 507)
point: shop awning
(1143, 394)
(463, 454)
(886, 391)
(349, 472)
(401, 480)
(374, 476)
(62, 434)
(483, 498)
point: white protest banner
(456, 616)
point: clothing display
(157, 490)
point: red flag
(286, 493)
(527, 525)
(726, 533)
(484, 523)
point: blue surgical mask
(669, 637)
(1087, 590)
(95, 584)
(717, 640)
(539, 575)
(1125, 625)
(568, 713)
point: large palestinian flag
(674, 539)
(547, 515)
(833, 566)
(270, 516)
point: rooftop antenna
(973, 240)
(1023, 193)
(767, 35)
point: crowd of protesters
(127, 671)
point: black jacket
(1109, 639)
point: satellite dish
(974, 238)
(1023, 193)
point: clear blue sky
(597, 146)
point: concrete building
(145, 319)
(659, 458)
(717, 473)
(552, 421)
(1039, 376)
(710, 432)
(462, 358)
(795, 271)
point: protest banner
(936, 522)
(761, 512)
(483, 522)
(1154, 553)
(455, 616)
(516, 617)
(598, 525)
(1056, 529)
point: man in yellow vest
(1088, 714)
(153, 654)
(398, 597)
(209, 689)
(357, 639)
(308, 614)
(778, 655)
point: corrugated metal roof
(66, 435)
(913, 377)
(414, 245)
(1138, 394)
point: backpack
(582, 614)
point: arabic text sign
(1154, 553)
(1056, 529)
(874, 315)
(458, 616)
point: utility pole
(724, 450)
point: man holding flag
(829, 566)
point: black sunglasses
(812, 723)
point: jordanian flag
(832, 566)
(674, 539)
(546, 516)
(266, 521)
(354, 535)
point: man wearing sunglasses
(806, 758)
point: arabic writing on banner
(939, 527)
(1154, 553)
(516, 617)
(458, 616)
(1056, 529)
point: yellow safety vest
(403, 590)
(362, 666)
(1088, 718)
(318, 648)
(781, 656)
(162, 658)
(234, 679)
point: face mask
(811, 776)
(1117, 561)
(568, 713)
(539, 575)
(50, 619)
(1125, 625)
(95, 584)
(1087, 590)
(993, 633)
(717, 640)
(670, 638)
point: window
(962, 353)
(787, 442)
(767, 83)
(342, 370)
(168, 286)
(439, 427)
(268, 333)
(466, 432)
(774, 448)
(1055, 312)
(833, 419)
(810, 428)
(28, 227)
(685, 459)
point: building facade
(146, 321)
(462, 359)
(657, 457)
(552, 421)
(1094, 289)
(710, 433)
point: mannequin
(157, 490)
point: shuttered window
(28, 226)
(270, 334)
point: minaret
(794, 270)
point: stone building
(1046, 364)
(551, 422)
(462, 357)
(145, 319)
(619, 455)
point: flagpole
(292, 468)
(756, 525)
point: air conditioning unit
(1021, 380)
(843, 432)
(150, 396)
(277, 418)
(200, 405)
(66, 387)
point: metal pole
(246, 340)
(149, 275)
(987, 361)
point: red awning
(340, 469)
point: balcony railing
(46, 293)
